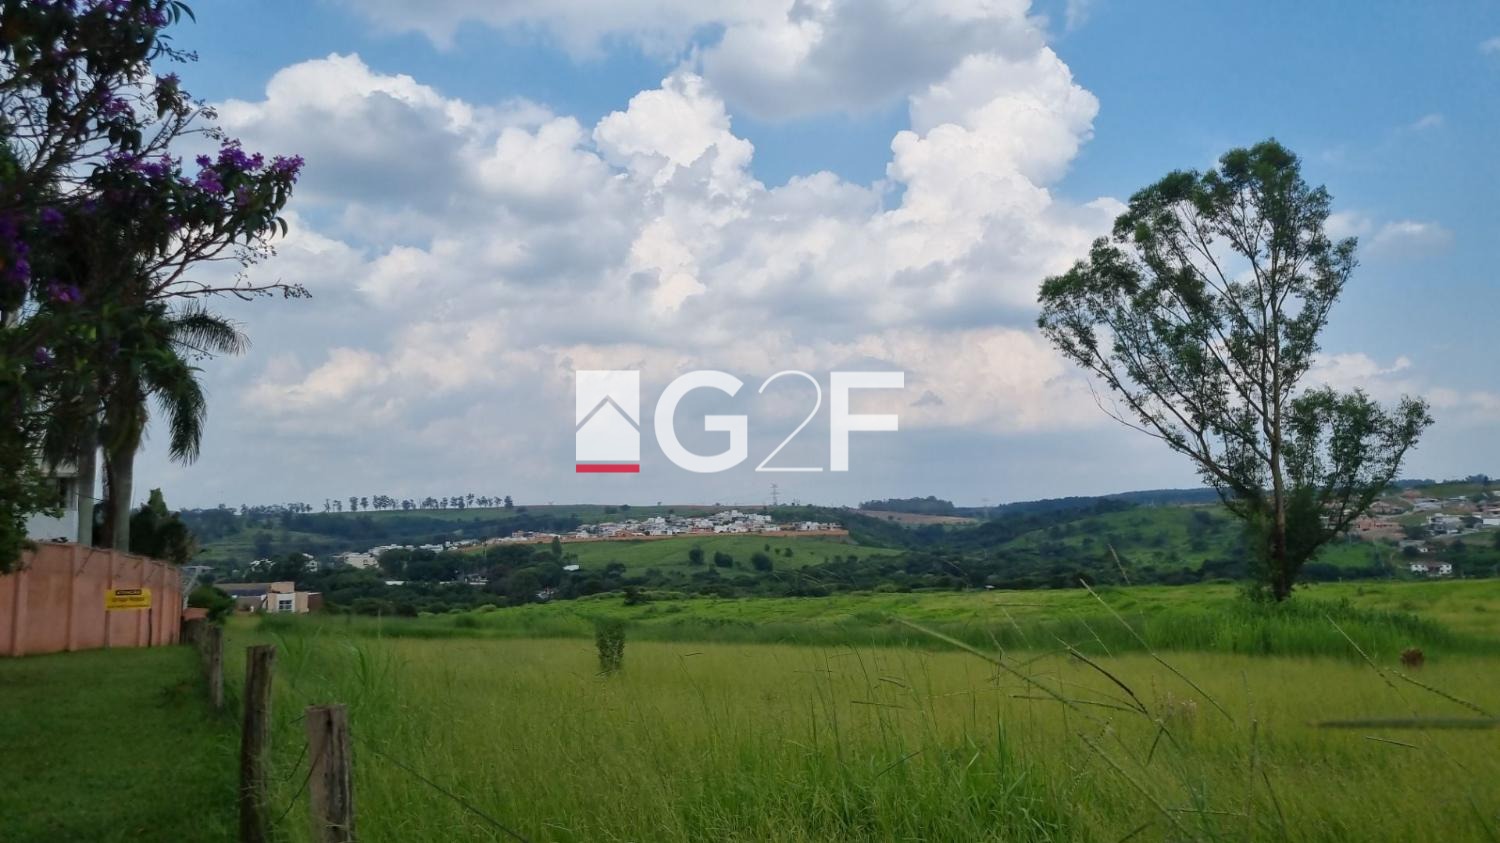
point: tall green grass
(718, 741)
(1189, 715)
(1301, 627)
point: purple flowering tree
(103, 235)
(162, 221)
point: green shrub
(609, 638)
(218, 603)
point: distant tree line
(916, 506)
(380, 503)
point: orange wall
(55, 601)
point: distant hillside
(1160, 535)
(1150, 497)
(237, 537)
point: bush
(609, 639)
(218, 603)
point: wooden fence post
(192, 630)
(331, 778)
(255, 737)
(214, 635)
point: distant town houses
(1422, 526)
(729, 521)
(272, 597)
(370, 559)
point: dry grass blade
(1116, 556)
(1158, 659)
(1166, 812)
(898, 762)
(1444, 694)
(1098, 703)
(1389, 741)
(1275, 803)
(1000, 663)
(1119, 683)
(1369, 661)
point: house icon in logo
(607, 418)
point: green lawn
(113, 745)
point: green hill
(1165, 536)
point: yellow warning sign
(127, 598)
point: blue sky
(1392, 106)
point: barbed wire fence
(370, 749)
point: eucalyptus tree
(1201, 314)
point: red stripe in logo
(607, 468)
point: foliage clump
(609, 639)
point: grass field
(696, 741)
(1209, 618)
(811, 719)
(815, 739)
(113, 745)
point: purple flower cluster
(160, 168)
(208, 181)
(50, 217)
(17, 270)
(232, 157)
(287, 167)
(150, 16)
(64, 293)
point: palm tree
(152, 360)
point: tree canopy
(102, 231)
(1201, 315)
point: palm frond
(202, 332)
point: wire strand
(443, 790)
